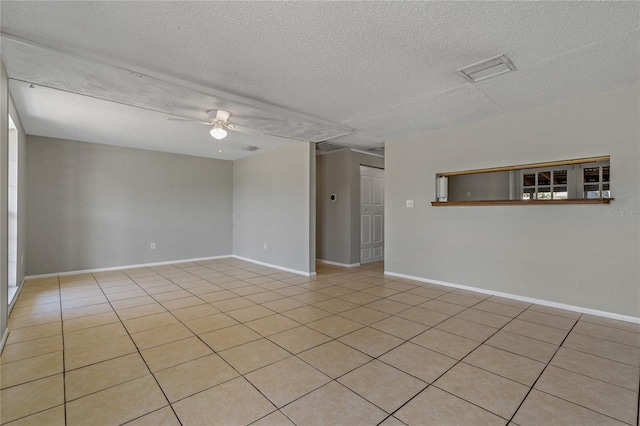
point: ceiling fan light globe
(218, 133)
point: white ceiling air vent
(487, 69)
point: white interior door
(371, 214)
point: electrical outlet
(265, 246)
(153, 246)
(22, 259)
(409, 204)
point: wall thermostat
(333, 197)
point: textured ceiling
(372, 71)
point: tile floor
(227, 342)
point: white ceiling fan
(219, 119)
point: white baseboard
(282, 268)
(115, 268)
(4, 339)
(344, 265)
(15, 297)
(573, 308)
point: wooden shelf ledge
(521, 202)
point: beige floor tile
(30, 398)
(522, 345)
(306, 314)
(426, 292)
(117, 404)
(628, 326)
(272, 324)
(172, 295)
(17, 351)
(604, 369)
(536, 331)
(232, 403)
(287, 380)
(380, 291)
(51, 417)
(374, 380)
(29, 369)
(359, 297)
(510, 302)
(283, 305)
(141, 311)
(264, 297)
(434, 407)
(372, 342)
(227, 305)
(35, 332)
(543, 409)
(334, 358)
(35, 309)
(89, 321)
(399, 327)
(253, 355)
(499, 308)
(445, 343)
(494, 393)
(423, 316)
(217, 296)
(195, 312)
(364, 315)
(506, 364)
(391, 421)
(162, 417)
(333, 404)
(312, 297)
(131, 303)
(614, 401)
(99, 351)
(123, 287)
(299, 339)
(150, 321)
(181, 303)
(467, 329)
(96, 334)
(102, 375)
(160, 336)
(335, 305)
(420, 362)
(291, 291)
(250, 313)
(335, 326)
(83, 311)
(174, 353)
(547, 319)
(35, 319)
(388, 306)
(438, 305)
(555, 311)
(408, 298)
(617, 335)
(274, 419)
(483, 317)
(85, 301)
(210, 323)
(194, 376)
(229, 337)
(603, 348)
(459, 299)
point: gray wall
(583, 255)
(94, 206)
(479, 186)
(338, 224)
(333, 225)
(4, 142)
(273, 203)
(22, 193)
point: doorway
(371, 214)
